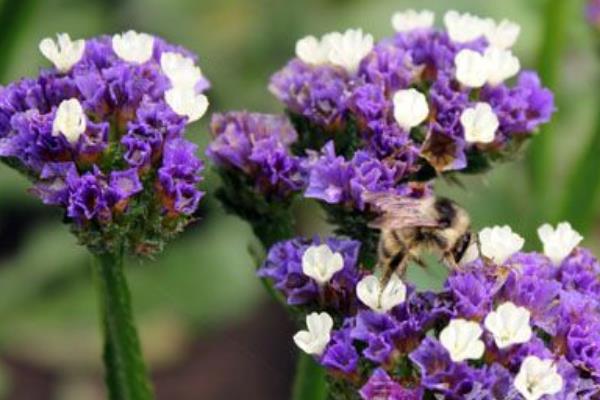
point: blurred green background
(208, 329)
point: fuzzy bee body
(410, 227)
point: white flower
(462, 340)
(410, 108)
(501, 64)
(499, 243)
(537, 378)
(348, 49)
(509, 324)
(463, 28)
(559, 242)
(479, 123)
(471, 68)
(64, 53)
(133, 47)
(315, 339)
(369, 291)
(70, 120)
(410, 20)
(502, 35)
(320, 263)
(181, 70)
(311, 50)
(187, 103)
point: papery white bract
(64, 53)
(509, 324)
(348, 49)
(501, 65)
(370, 292)
(463, 28)
(471, 68)
(181, 71)
(317, 336)
(499, 243)
(559, 242)
(537, 378)
(479, 123)
(321, 263)
(462, 340)
(409, 20)
(70, 120)
(133, 47)
(502, 35)
(410, 108)
(187, 103)
(311, 50)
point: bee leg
(450, 262)
(420, 263)
(397, 265)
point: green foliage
(310, 383)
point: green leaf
(310, 382)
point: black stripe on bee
(397, 260)
(446, 210)
(461, 247)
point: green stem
(583, 186)
(14, 19)
(309, 383)
(126, 374)
(556, 17)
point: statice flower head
(508, 324)
(101, 134)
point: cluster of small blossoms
(422, 102)
(101, 134)
(507, 325)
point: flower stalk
(126, 373)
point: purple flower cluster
(258, 147)
(400, 353)
(592, 13)
(101, 134)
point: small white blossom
(462, 340)
(502, 35)
(133, 47)
(471, 68)
(181, 70)
(370, 292)
(509, 324)
(311, 50)
(70, 120)
(320, 263)
(499, 243)
(64, 53)
(348, 49)
(315, 339)
(410, 108)
(537, 378)
(479, 123)
(559, 242)
(410, 20)
(187, 103)
(501, 64)
(463, 28)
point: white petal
(187, 103)
(70, 120)
(471, 68)
(479, 123)
(559, 242)
(64, 53)
(315, 339)
(321, 263)
(393, 294)
(501, 64)
(410, 108)
(133, 47)
(461, 338)
(537, 378)
(509, 325)
(310, 50)
(348, 49)
(499, 243)
(411, 20)
(503, 35)
(368, 291)
(181, 70)
(463, 28)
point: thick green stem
(556, 17)
(126, 374)
(309, 383)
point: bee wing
(399, 212)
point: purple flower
(340, 355)
(592, 12)
(381, 386)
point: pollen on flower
(64, 53)
(133, 47)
